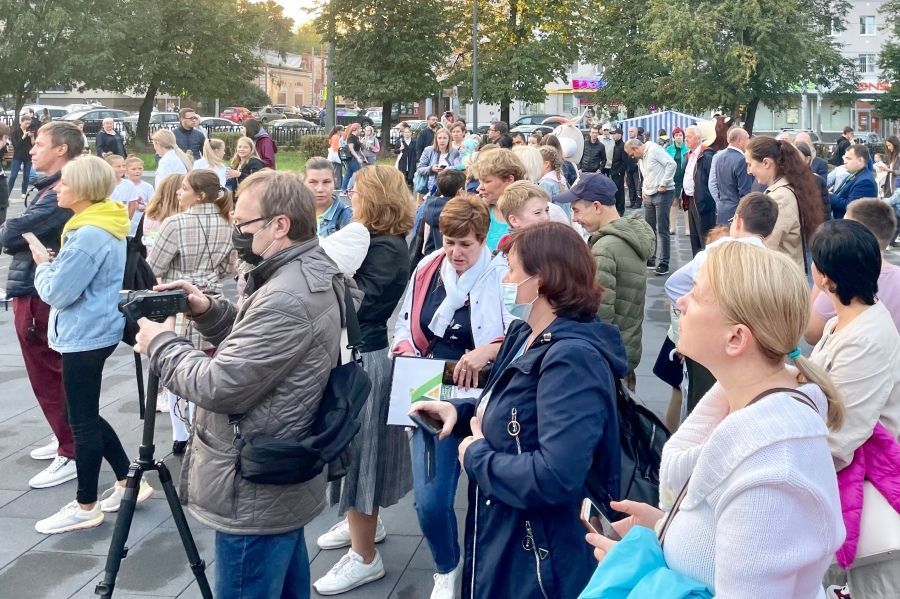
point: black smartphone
(594, 521)
(427, 423)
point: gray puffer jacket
(275, 353)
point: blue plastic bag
(636, 569)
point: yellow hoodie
(109, 215)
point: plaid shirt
(194, 245)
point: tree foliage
(164, 47)
(41, 44)
(725, 55)
(889, 63)
(387, 52)
(523, 46)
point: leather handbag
(264, 459)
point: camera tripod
(145, 461)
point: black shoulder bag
(268, 460)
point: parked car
(870, 139)
(310, 113)
(817, 141)
(209, 122)
(527, 130)
(294, 124)
(533, 119)
(78, 107)
(267, 114)
(155, 118)
(93, 119)
(236, 114)
(55, 111)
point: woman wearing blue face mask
(529, 441)
(453, 311)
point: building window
(867, 25)
(866, 63)
(568, 103)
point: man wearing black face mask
(274, 355)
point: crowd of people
(515, 263)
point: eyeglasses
(240, 227)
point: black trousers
(635, 181)
(82, 373)
(619, 180)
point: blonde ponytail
(810, 372)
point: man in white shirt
(657, 170)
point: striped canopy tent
(652, 123)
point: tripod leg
(117, 549)
(198, 566)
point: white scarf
(458, 288)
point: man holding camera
(276, 349)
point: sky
(296, 9)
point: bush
(230, 140)
(314, 145)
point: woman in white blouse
(761, 514)
(171, 159)
(860, 349)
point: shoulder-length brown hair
(560, 258)
(383, 200)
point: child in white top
(214, 159)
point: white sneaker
(59, 471)
(70, 517)
(47, 452)
(112, 497)
(445, 585)
(350, 572)
(339, 535)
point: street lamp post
(474, 66)
(330, 115)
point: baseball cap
(591, 187)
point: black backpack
(641, 439)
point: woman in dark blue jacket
(530, 439)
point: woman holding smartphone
(529, 440)
(82, 288)
(439, 156)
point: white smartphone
(594, 521)
(35, 243)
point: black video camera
(155, 305)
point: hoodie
(621, 250)
(82, 283)
(558, 398)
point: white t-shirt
(169, 164)
(222, 171)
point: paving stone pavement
(70, 565)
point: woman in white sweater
(761, 515)
(860, 349)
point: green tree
(180, 54)
(387, 52)
(523, 46)
(41, 45)
(733, 54)
(889, 63)
(306, 38)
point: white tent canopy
(652, 123)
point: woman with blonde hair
(245, 162)
(533, 161)
(171, 159)
(437, 157)
(81, 285)
(162, 205)
(194, 245)
(382, 473)
(214, 159)
(750, 468)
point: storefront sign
(588, 84)
(873, 86)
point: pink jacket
(878, 461)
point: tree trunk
(20, 102)
(143, 125)
(504, 109)
(751, 114)
(386, 109)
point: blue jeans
(262, 566)
(434, 499)
(656, 213)
(14, 167)
(350, 169)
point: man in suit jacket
(732, 178)
(859, 184)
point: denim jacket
(82, 287)
(335, 218)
